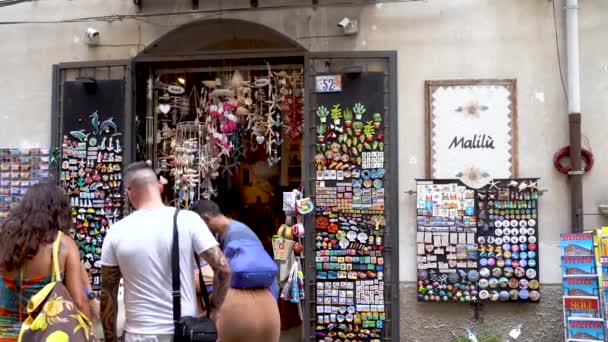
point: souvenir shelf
(91, 174)
(19, 169)
(349, 298)
(478, 246)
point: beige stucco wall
(435, 39)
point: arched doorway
(258, 159)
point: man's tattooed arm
(110, 281)
(221, 278)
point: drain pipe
(574, 116)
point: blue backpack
(252, 267)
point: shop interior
(230, 131)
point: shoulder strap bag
(189, 329)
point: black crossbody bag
(189, 329)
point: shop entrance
(245, 99)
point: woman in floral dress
(26, 239)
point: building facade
(433, 40)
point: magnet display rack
(91, 173)
(477, 246)
(20, 168)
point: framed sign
(471, 129)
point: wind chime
(187, 158)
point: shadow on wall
(432, 322)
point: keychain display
(478, 245)
(20, 168)
(91, 174)
(349, 224)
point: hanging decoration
(228, 116)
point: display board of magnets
(349, 296)
(20, 168)
(477, 245)
(91, 174)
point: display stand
(478, 245)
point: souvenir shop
(299, 146)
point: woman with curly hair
(26, 239)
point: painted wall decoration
(471, 130)
(478, 245)
(20, 168)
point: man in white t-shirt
(138, 249)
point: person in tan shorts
(247, 314)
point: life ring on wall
(564, 152)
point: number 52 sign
(328, 83)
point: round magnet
(507, 254)
(531, 231)
(523, 247)
(498, 241)
(503, 282)
(483, 284)
(490, 239)
(506, 247)
(523, 284)
(532, 263)
(532, 239)
(506, 223)
(483, 262)
(513, 223)
(498, 224)
(351, 310)
(532, 223)
(534, 284)
(473, 275)
(531, 255)
(498, 232)
(523, 239)
(500, 263)
(519, 272)
(513, 283)
(515, 248)
(481, 239)
(491, 262)
(484, 272)
(508, 262)
(532, 246)
(514, 231)
(504, 296)
(523, 263)
(523, 223)
(484, 294)
(377, 183)
(514, 295)
(506, 232)
(515, 256)
(524, 294)
(493, 283)
(496, 272)
(531, 273)
(523, 231)
(516, 263)
(92, 141)
(362, 237)
(514, 239)
(523, 255)
(534, 296)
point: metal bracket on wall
(476, 310)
